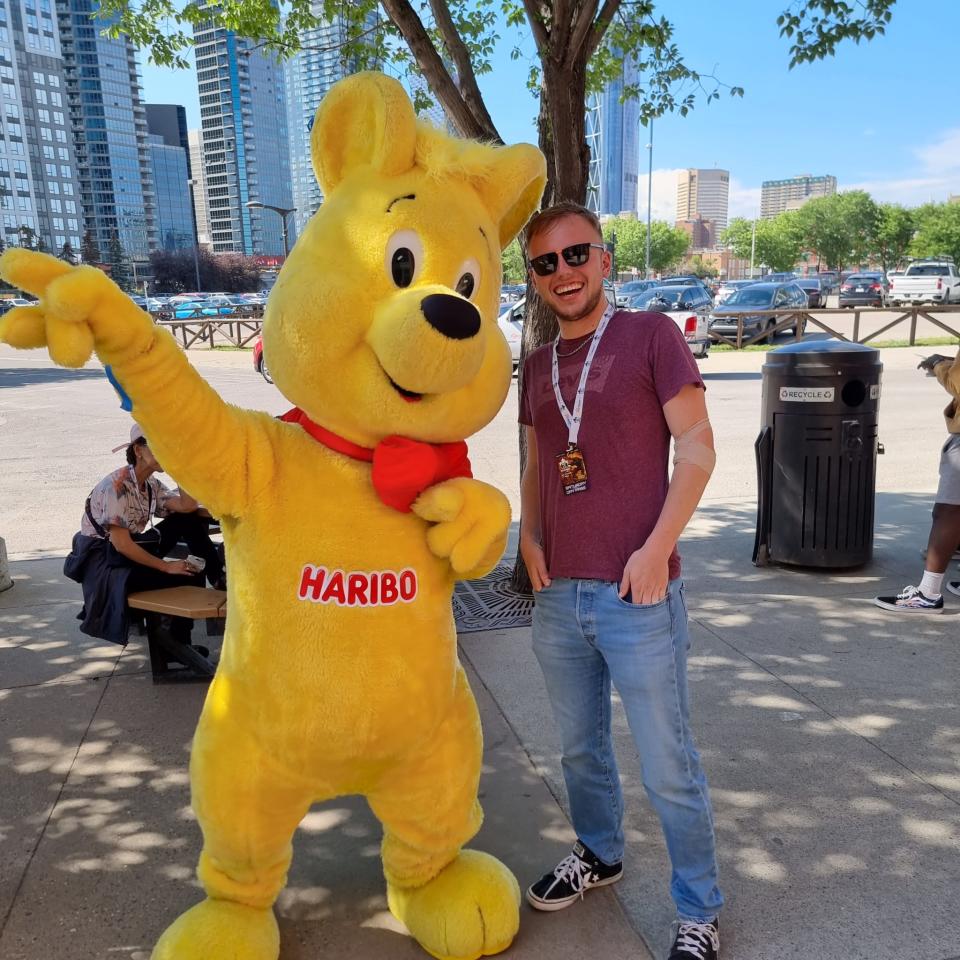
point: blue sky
(883, 116)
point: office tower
(201, 214)
(39, 193)
(168, 120)
(777, 196)
(110, 131)
(308, 75)
(613, 136)
(245, 149)
(704, 194)
(702, 232)
(169, 157)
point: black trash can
(817, 454)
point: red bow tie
(402, 468)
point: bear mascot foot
(221, 930)
(469, 910)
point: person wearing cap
(120, 550)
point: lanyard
(572, 420)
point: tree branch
(329, 49)
(466, 78)
(540, 35)
(411, 28)
(599, 28)
(562, 23)
(581, 29)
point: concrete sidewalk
(828, 728)
(98, 844)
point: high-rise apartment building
(201, 214)
(110, 131)
(308, 75)
(778, 196)
(245, 149)
(39, 191)
(612, 130)
(704, 194)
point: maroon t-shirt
(642, 362)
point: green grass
(920, 342)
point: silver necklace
(576, 349)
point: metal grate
(490, 604)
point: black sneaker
(571, 878)
(954, 587)
(696, 941)
(910, 600)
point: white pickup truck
(926, 281)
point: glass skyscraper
(39, 195)
(174, 212)
(309, 74)
(110, 131)
(612, 130)
(245, 149)
(170, 160)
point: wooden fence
(804, 319)
(235, 331)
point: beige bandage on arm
(689, 448)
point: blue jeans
(586, 637)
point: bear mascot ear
(366, 120)
(513, 187)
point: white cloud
(935, 177)
(943, 157)
(664, 195)
(744, 201)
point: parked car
(195, 309)
(259, 364)
(927, 281)
(757, 296)
(8, 303)
(632, 288)
(814, 289)
(830, 280)
(688, 307)
(863, 290)
(729, 287)
(510, 323)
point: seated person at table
(119, 550)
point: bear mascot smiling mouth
(346, 524)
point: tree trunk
(562, 133)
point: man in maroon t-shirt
(600, 521)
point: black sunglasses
(576, 255)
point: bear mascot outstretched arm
(345, 525)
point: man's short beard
(586, 310)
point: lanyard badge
(571, 463)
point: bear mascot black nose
(454, 317)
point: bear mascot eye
(469, 278)
(404, 257)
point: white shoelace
(908, 593)
(575, 870)
(694, 938)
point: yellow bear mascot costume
(346, 526)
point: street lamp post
(284, 212)
(196, 239)
(649, 195)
